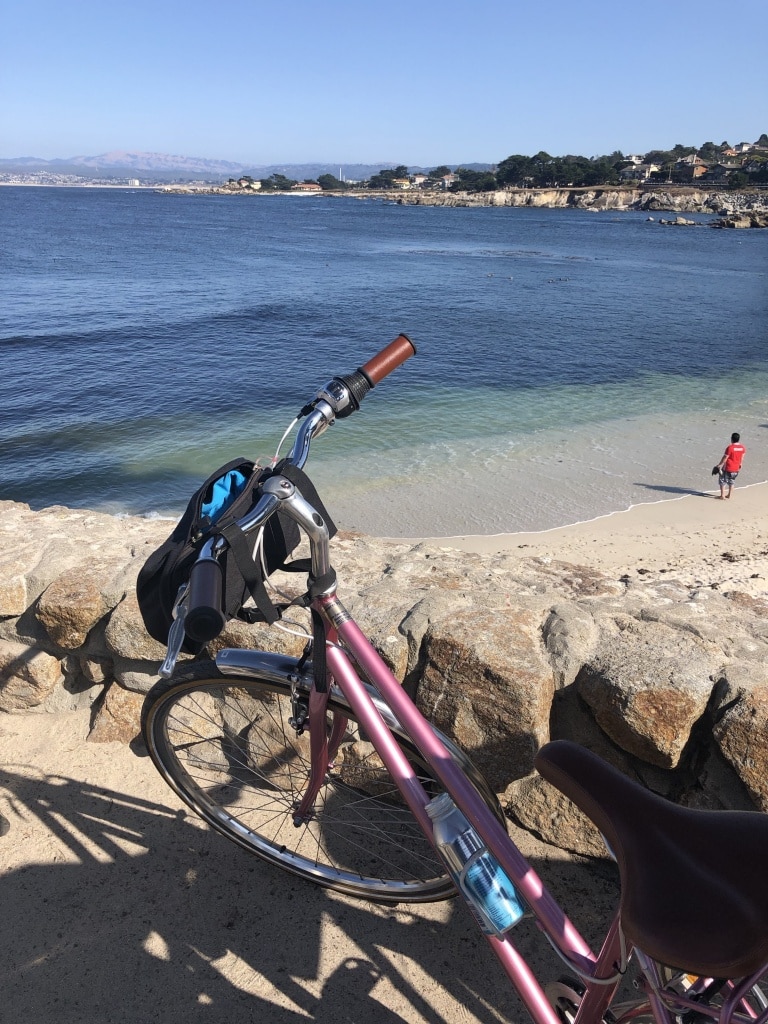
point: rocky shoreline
(734, 208)
(663, 677)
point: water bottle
(473, 867)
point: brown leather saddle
(694, 883)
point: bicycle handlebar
(390, 357)
(204, 618)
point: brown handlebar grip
(389, 358)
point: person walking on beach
(728, 467)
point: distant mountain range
(164, 167)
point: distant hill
(166, 167)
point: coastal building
(692, 165)
(306, 186)
(639, 172)
(721, 171)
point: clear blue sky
(343, 81)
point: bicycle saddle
(694, 883)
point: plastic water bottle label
(488, 892)
(489, 889)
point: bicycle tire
(224, 745)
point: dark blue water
(145, 337)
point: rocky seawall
(666, 680)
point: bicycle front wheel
(225, 745)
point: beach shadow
(667, 489)
(141, 913)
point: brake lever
(176, 633)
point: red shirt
(734, 453)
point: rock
(539, 808)
(126, 636)
(647, 685)
(742, 732)
(118, 717)
(78, 599)
(754, 219)
(96, 670)
(135, 675)
(570, 637)
(487, 682)
(27, 676)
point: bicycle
(323, 766)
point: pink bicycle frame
(599, 973)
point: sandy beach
(119, 906)
(696, 538)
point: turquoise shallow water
(570, 363)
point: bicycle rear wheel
(225, 745)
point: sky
(355, 81)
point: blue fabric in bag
(223, 493)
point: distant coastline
(740, 207)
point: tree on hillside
(516, 170)
(330, 183)
(474, 181)
(386, 176)
(662, 157)
(709, 152)
(439, 172)
(277, 183)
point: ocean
(570, 363)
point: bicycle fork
(323, 749)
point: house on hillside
(692, 166)
(722, 171)
(639, 172)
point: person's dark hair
(735, 438)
